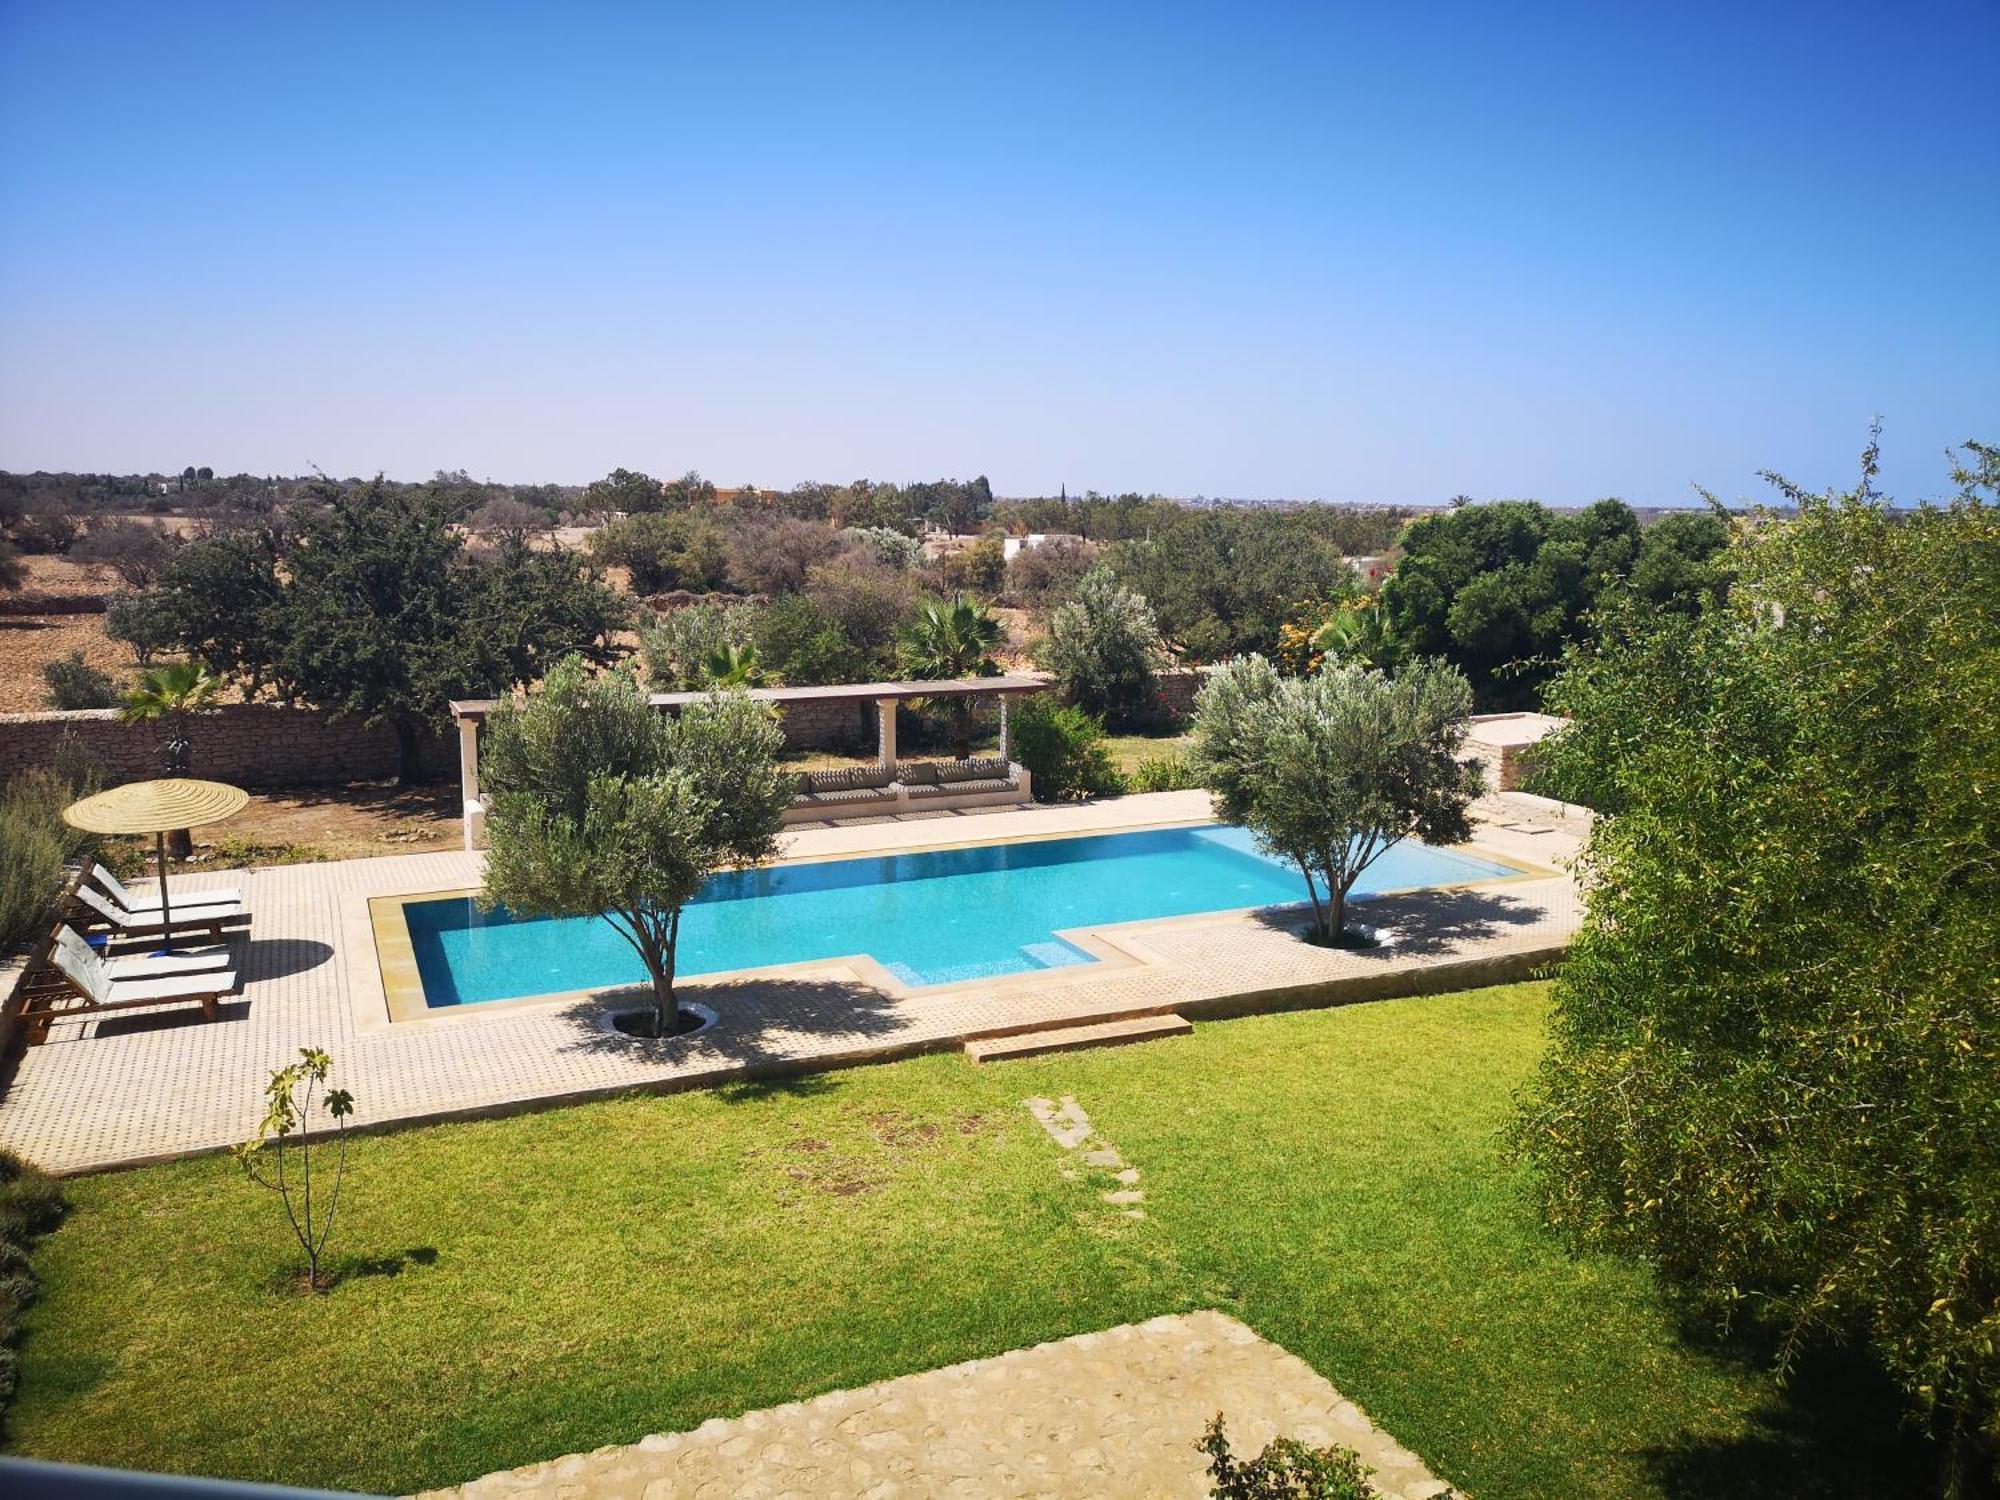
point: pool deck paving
(115, 1090)
(1101, 1416)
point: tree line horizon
(167, 491)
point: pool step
(1072, 1038)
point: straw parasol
(158, 808)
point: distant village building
(1372, 569)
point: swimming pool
(933, 917)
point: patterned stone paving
(151, 1084)
(1111, 1415)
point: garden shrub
(680, 643)
(1287, 1469)
(37, 843)
(74, 683)
(30, 1205)
(1172, 772)
(1062, 748)
(1774, 1064)
(797, 640)
(869, 602)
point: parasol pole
(166, 911)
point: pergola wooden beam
(476, 709)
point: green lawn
(1127, 750)
(563, 1280)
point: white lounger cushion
(88, 973)
(193, 914)
(153, 965)
(180, 987)
(141, 966)
(139, 901)
(131, 966)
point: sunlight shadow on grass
(1833, 1430)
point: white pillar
(468, 780)
(1006, 742)
(885, 732)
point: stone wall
(1174, 691)
(1505, 745)
(249, 744)
(266, 745)
(829, 726)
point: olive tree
(1774, 1071)
(1330, 771)
(603, 806)
(1103, 645)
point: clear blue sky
(1385, 253)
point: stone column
(1006, 740)
(885, 732)
(468, 779)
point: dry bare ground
(28, 642)
(318, 823)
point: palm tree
(173, 694)
(949, 639)
(1358, 631)
(732, 665)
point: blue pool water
(929, 918)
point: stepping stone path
(1070, 1128)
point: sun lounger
(194, 917)
(139, 966)
(140, 901)
(93, 985)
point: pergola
(471, 713)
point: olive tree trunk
(409, 751)
(666, 1014)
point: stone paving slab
(147, 1085)
(1103, 1416)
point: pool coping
(389, 991)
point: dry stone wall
(250, 744)
(268, 745)
(828, 726)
